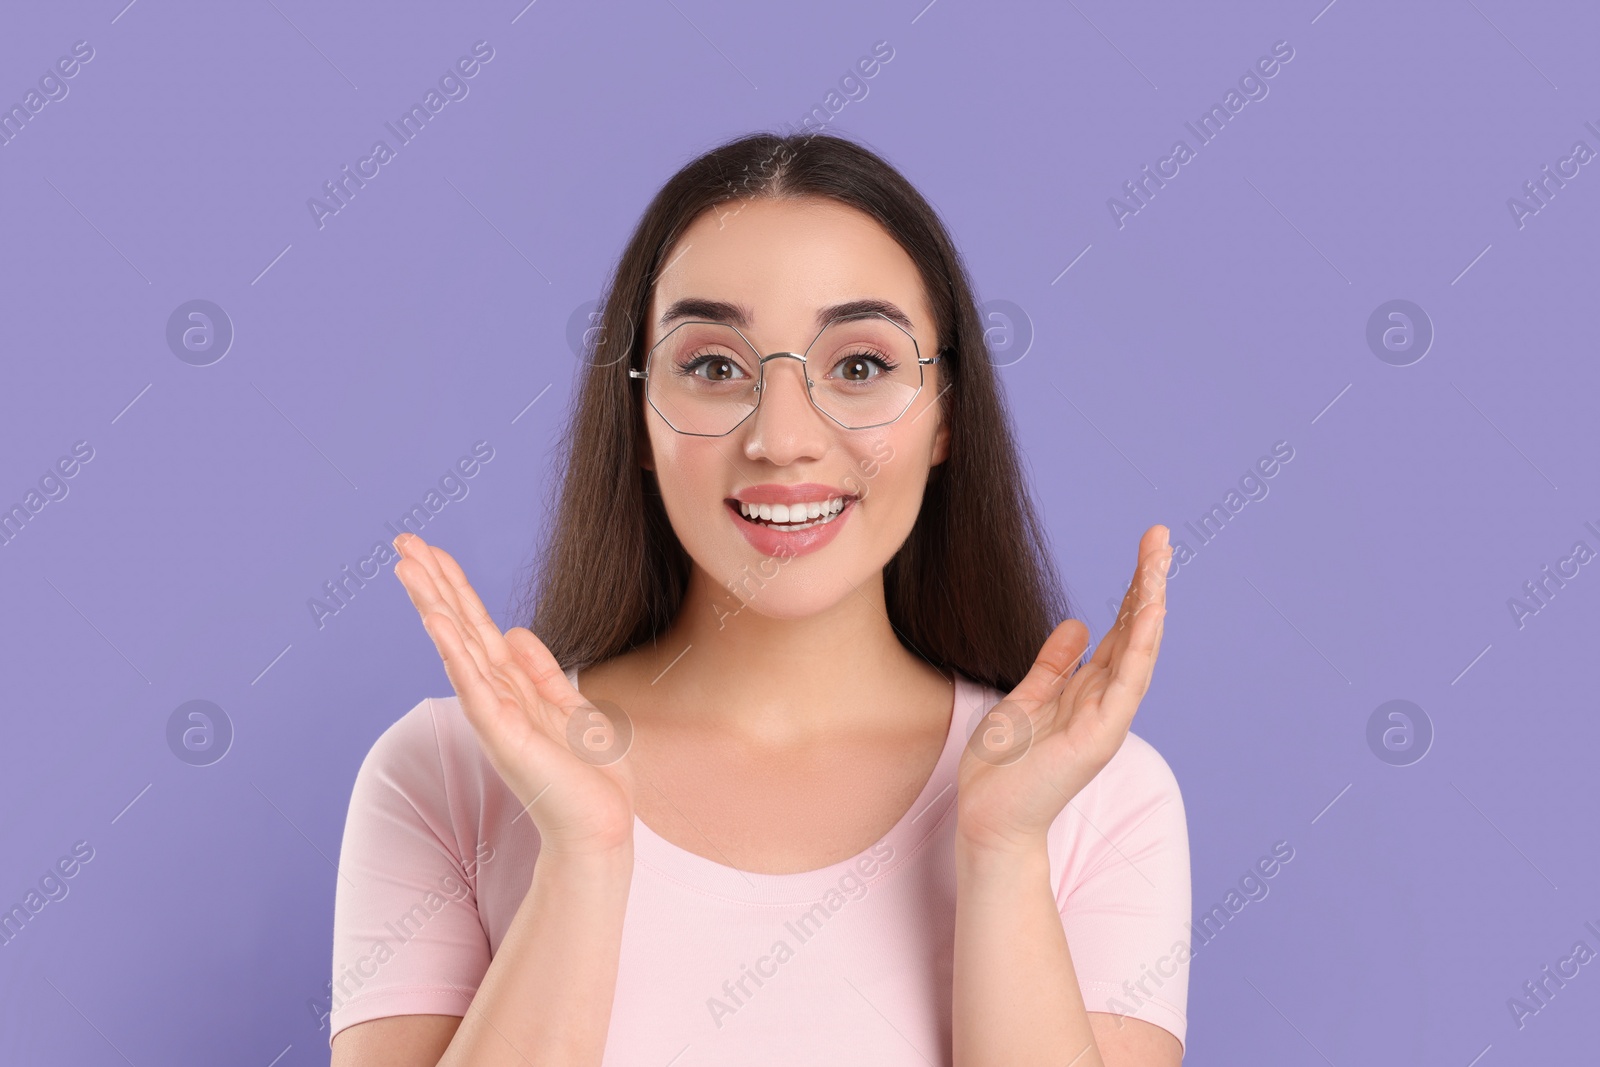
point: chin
(802, 586)
(790, 604)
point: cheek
(689, 472)
(891, 466)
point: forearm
(1016, 998)
(546, 997)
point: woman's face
(780, 263)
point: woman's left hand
(1053, 733)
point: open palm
(1053, 733)
(557, 752)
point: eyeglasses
(705, 378)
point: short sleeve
(1124, 893)
(407, 939)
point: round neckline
(934, 804)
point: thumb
(1058, 659)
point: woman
(793, 570)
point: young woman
(794, 764)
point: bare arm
(1016, 997)
(1016, 1001)
(546, 997)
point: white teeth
(794, 516)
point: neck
(786, 679)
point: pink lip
(770, 541)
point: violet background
(1229, 314)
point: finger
(548, 677)
(1058, 659)
(1139, 588)
(1128, 660)
(1133, 668)
(480, 700)
(1148, 586)
(472, 622)
(426, 597)
(1150, 573)
(471, 605)
(1161, 625)
(416, 580)
(482, 634)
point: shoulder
(427, 757)
(1137, 770)
(1135, 784)
(407, 744)
(1129, 817)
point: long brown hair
(972, 589)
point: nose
(785, 426)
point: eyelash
(884, 363)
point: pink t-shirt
(720, 966)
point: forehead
(775, 264)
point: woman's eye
(860, 368)
(716, 368)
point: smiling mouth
(793, 517)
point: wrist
(586, 866)
(987, 855)
(987, 878)
(981, 839)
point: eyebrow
(695, 307)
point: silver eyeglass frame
(761, 369)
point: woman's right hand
(521, 706)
